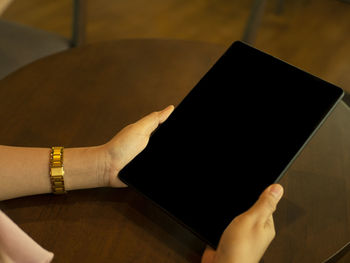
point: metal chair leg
(280, 6)
(253, 22)
(346, 99)
(78, 23)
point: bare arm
(25, 171)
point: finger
(208, 255)
(164, 114)
(150, 122)
(267, 202)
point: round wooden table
(84, 96)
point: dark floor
(311, 34)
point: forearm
(25, 171)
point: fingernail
(163, 115)
(276, 190)
(167, 108)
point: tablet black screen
(232, 136)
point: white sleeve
(17, 247)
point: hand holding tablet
(129, 142)
(251, 232)
(247, 237)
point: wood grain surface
(310, 34)
(84, 96)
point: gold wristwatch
(56, 170)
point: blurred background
(311, 34)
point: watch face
(232, 136)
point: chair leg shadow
(346, 99)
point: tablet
(233, 135)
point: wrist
(112, 165)
(103, 165)
(84, 167)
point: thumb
(267, 202)
(164, 114)
(208, 255)
(149, 123)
